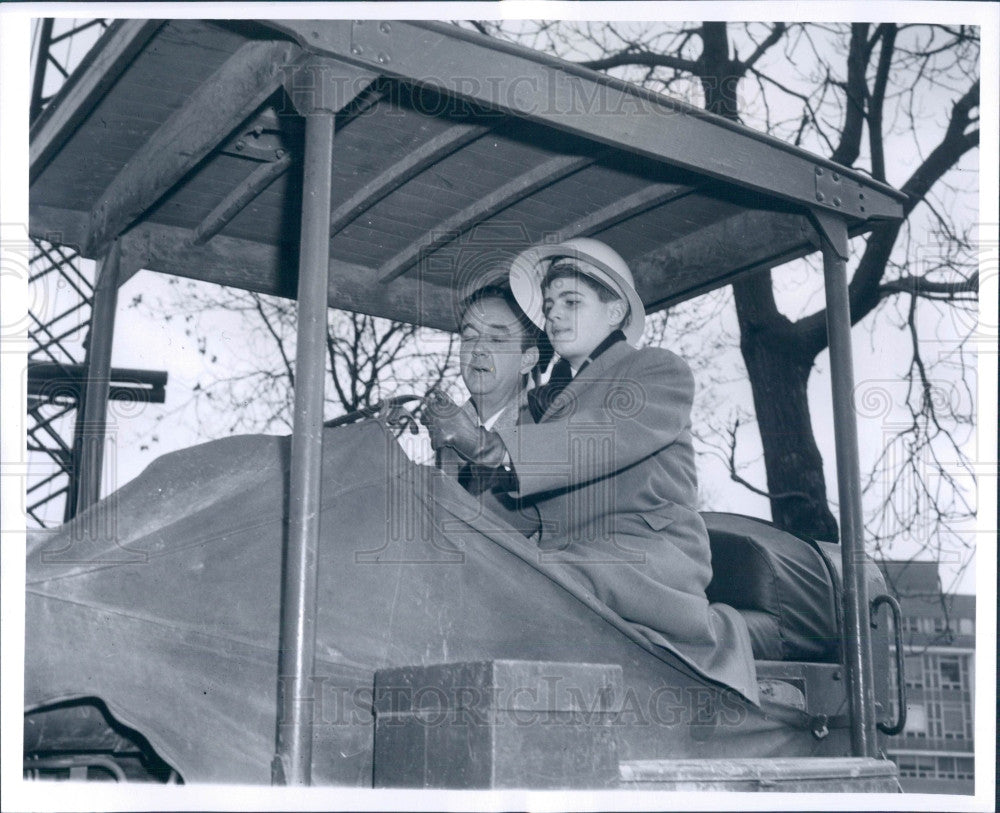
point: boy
(609, 464)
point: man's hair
(566, 269)
(530, 333)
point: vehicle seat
(780, 584)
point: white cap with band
(596, 260)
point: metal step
(800, 774)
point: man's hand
(448, 425)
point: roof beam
(217, 107)
(240, 197)
(516, 80)
(649, 197)
(427, 154)
(273, 269)
(100, 69)
(753, 235)
(545, 174)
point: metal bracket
(371, 40)
(832, 230)
(264, 139)
(839, 192)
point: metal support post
(41, 63)
(857, 644)
(92, 428)
(292, 763)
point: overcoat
(610, 468)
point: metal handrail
(897, 628)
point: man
(609, 465)
(497, 352)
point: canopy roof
(453, 151)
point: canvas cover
(163, 601)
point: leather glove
(448, 425)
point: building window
(940, 625)
(966, 626)
(916, 721)
(931, 674)
(913, 666)
(953, 721)
(965, 768)
(951, 672)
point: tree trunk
(779, 374)
(776, 364)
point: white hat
(603, 263)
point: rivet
(384, 27)
(382, 58)
(356, 50)
(240, 144)
(862, 208)
(279, 153)
(819, 170)
(836, 201)
(836, 177)
(836, 674)
(820, 196)
(861, 195)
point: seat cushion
(780, 584)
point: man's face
(576, 320)
(492, 361)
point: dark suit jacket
(610, 468)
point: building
(935, 752)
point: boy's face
(576, 320)
(491, 356)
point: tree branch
(929, 289)
(857, 89)
(648, 59)
(277, 338)
(864, 289)
(736, 478)
(875, 103)
(776, 34)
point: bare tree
(872, 98)
(368, 358)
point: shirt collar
(490, 422)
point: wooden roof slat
(520, 187)
(238, 88)
(96, 74)
(429, 153)
(645, 199)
